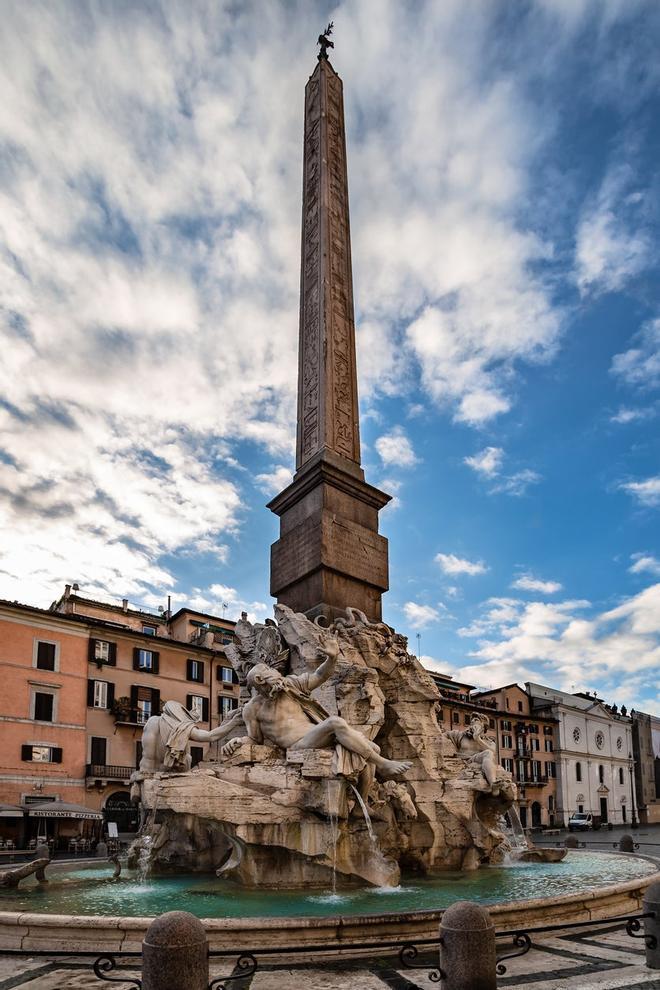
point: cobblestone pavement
(605, 959)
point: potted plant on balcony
(121, 709)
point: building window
(578, 771)
(143, 711)
(535, 744)
(149, 630)
(41, 754)
(547, 730)
(100, 694)
(196, 703)
(46, 656)
(227, 675)
(195, 670)
(145, 660)
(580, 808)
(506, 703)
(507, 742)
(440, 714)
(548, 745)
(98, 751)
(102, 651)
(508, 764)
(551, 770)
(466, 719)
(601, 773)
(520, 706)
(551, 803)
(196, 755)
(533, 728)
(620, 775)
(226, 705)
(455, 717)
(491, 723)
(536, 769)
(43, 707)
(506, 725)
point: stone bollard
(626, 844)
(651, 905)
(570, 842)
(101, 850)
(42, 852)
(467, 948)
(175, 953)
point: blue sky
(504, 209)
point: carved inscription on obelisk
(327, 388)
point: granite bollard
(467, 948)
(651, 905)
(626, 844)
(571, 842)
(175, 953)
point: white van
(580, 820)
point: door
(603, 811)
(98, 752)
(523, 816)
(536, 815)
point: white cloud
(451, 564)
(487, 462)
(526, 582)
(517, 484)
(421, 616)
(612, 244)
(395, 449)
(640, 365)
(644, 563)
(626, 415)
(273, 482)
(647, 492)
(556, 643)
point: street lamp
(634, 823)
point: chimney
(124, 604)
(67, 590)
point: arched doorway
(118, 808)
(536, 814)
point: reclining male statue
(476, 747)
(282, 711)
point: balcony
(130, 716)
(99, 771)
(533, 781)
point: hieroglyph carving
(328, 414)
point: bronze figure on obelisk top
(329, 555)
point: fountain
(334, 774)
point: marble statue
(474, 745)
(166, 738)
(334, 764)
(283, 712)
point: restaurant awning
(59, 809)
(10, 811)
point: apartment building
(457, 702)
(81, 680)
(594, 754)
(646, 754)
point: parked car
(580, 821)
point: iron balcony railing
(114, 772)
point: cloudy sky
(504, 207)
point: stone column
(175, 953)
(651, 905)
(467, 948)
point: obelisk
(329, 554)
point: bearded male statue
(282, 712)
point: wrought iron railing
(103, 770)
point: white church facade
(594, 757)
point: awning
(58, 809)
(10, 811)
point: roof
(504, 687)
(118, 628)
(204, 615)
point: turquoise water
(89, 891)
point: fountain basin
(351, 916)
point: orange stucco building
(79, 680)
